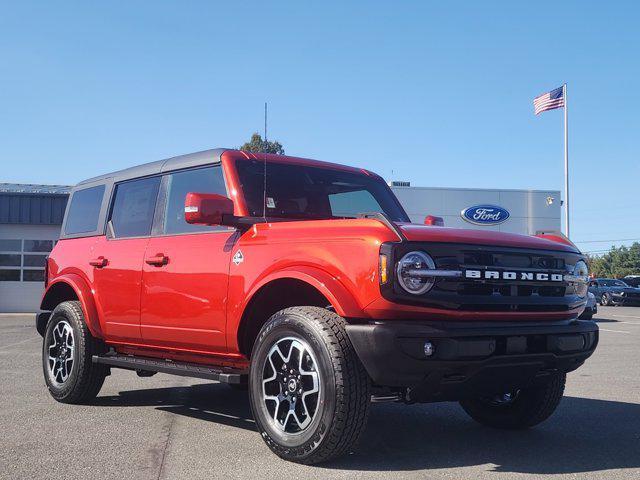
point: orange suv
(305, 283)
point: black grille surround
(463, 294)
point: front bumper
(469, 360)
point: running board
(221, 374)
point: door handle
(99, 262)
(158, 260)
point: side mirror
(433, 220)
(206, 208)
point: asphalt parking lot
(171, 427)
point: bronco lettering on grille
(522, 276)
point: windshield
(299, 191)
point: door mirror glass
(206, 208)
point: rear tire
(67, 348)
(303, 362)
(605, 300)
(527, 407)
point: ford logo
(485, 215)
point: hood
(427, 233)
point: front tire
(67, 348)
(308, 390)
(518, 410)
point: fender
(85, 297)
(340, 298)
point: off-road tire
(341, 417)
(86, 378)
(530, 406)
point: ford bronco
(305, 283)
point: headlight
(581, 271)
(412, 283)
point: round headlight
(409, 279)
(581, 270)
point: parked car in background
(632, 280)
(590, 309)
(610, 291)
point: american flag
(549, 101)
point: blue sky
(439, 92)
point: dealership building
(31, 217)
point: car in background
(611, 291)
(590, 309)
(632, 280)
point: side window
(84, 210)
(200, 180)
(133, 207)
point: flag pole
(566, 162)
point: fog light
(429, 349)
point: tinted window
(201, 180)
(10, 245)
(9, 275)
(300, 191)
(349, 204)
(38, 245)
(84, 210)
(133, 207)
(33, 275)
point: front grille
(497, 295)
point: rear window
(84, 210)
(134, 206)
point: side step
(221, 374)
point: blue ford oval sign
(485, 215)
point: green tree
(258, 145)
(617, 263)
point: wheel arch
(304, 286)
(71, 287)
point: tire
(586, 316)
(328, 422)
(68, 340)
(528, 407)
(605, 300)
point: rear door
(118, 257)
(186, 267)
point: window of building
(84, 210)
(134, 206)
(23, 259)
(200, 180)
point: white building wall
(531, 211)
(24, 296)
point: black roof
(174, 163)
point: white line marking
(19, 343)
(615, 331)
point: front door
(117, 258)
(186, 270)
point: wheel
(308, 390)
(520, 409)
(67, 348)
(605, 300)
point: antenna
(264, 151)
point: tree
(617, 263)
(258, 145)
